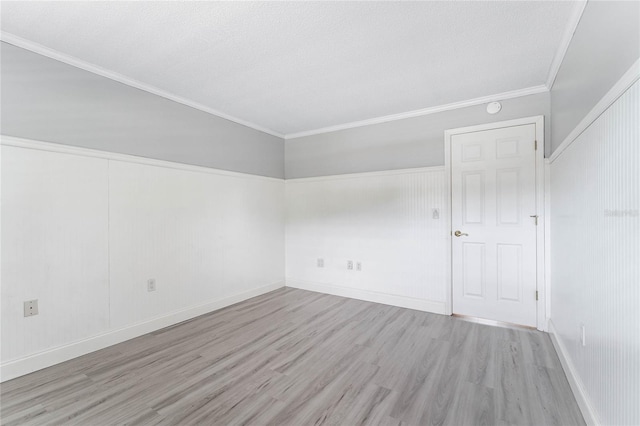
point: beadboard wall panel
(200, 236)
(595, 268)
(54, 249)
(83, 231)
(382, 220)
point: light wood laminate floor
(293, 357)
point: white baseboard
(371, 296)
(577, 387)
(40, 360)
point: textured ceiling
(300, 66)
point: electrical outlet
(320, 263)
(358, 266)
(583, 335)
(31, 308)
(151, 284)
(435, 213)
(350, 265)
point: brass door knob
(460, 234)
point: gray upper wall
(604, 46)
(47, 100)
(408, 143)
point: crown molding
(78, 63)
(95, 69)
(569, 31)
(425, 111)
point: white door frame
(541, 284)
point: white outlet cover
(31, 308)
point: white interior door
(493, 190)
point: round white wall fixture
(494, 107)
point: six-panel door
(493, 193)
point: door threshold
(493, 323)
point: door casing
(542, 285)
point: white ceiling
(299, 66)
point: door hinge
(536, 294)
(535, 145)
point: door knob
(460, 234)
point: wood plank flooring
(293, 357)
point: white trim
(570, 30)
(368, 174)
(495, 125)
(627, 80)
(577, 387)
(541, 286)
(448, 218)
(425, 111)
(541, 211)
(370, 296)
(547, 241)
(38, 361)
(86, 152)
(79, 63)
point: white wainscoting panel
(595, 268)
(83, 231)
(382, 220)
(54, 249)
(200, 236)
